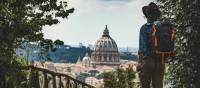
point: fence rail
(44, 78)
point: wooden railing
(44, 78)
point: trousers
(152, 73)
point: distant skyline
(123, 17)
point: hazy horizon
(123, 17)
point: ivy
(184, 70)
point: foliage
(82, 76)
(23, 20)
(93, 72)
(46, 46)
(110, 80)
(14, 76)
(70, 54)
(58, 42)
(57, 53)
(185, 15)
(120, 78)
(34, 79)
(99, 76)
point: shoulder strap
(155, 38)
(173, 35)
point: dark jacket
(145, 39)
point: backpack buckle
(164, 55)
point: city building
(104, 58)
(86, 61)
(94, 82)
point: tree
(23, 20)
(99, 76)
(110, 80)
(82, 76)
(58, 42)
(185, 15)
(46, 46)
(121, 78)
(26, 46)
(93, 72)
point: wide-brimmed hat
(152, 8)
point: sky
(86, 25)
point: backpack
(163, 36)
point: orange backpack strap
(173, 36)
(155, 39)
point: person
(150, 67)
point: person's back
(151, 65)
